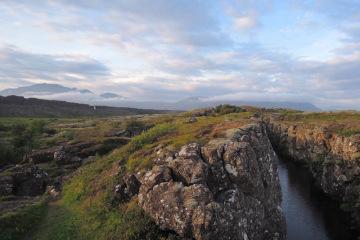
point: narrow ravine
(309, 214)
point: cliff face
(228, 189)
(333, 160)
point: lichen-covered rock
(24, 180)
(61, 157)
(228, 189)
(128, 188)
(188, 167)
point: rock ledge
(228, 189)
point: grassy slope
(344, 123)
(85, 210)
(18, 224)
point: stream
(309, 214)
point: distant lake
(309, 214)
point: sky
(173, 49)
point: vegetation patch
(19, 138)
(348, 132)
(16, 225)
(87, 210)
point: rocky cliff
(333, 160)
(227, 189)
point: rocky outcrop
(333, 160)
(40, 156)
(27, 179)
(73, 153)
(128, 188)
(23, 180)
(228, 189)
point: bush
(6, 154)
(69, 135)
(22, 138)
(226, 109)
(135, 127)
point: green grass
(346, 123)
(17, 225)
(149, 136)
(86, 209)
(348, 132)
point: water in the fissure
(309, 214)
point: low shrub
(227, 108)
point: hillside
(14, 106)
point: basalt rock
(192, 120)
(40, 156)
(127, 188)
(24, 180)
(228, 189)
(73, 153)
(333, 160)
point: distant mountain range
(46, 89)
(191, 104)
(42, 89)
(59, 92)
(14, 106)
(110, 95)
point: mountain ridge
(84, 96)
(15, 106)
(44, 88)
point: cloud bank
(168, 50)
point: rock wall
(228, 189)
(333, 160)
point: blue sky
(169, 50)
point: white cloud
(245, 22)
(174, 49)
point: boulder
(127, 188)
(61, 157)
(24, 180)
(192, 119)
(228, 189)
